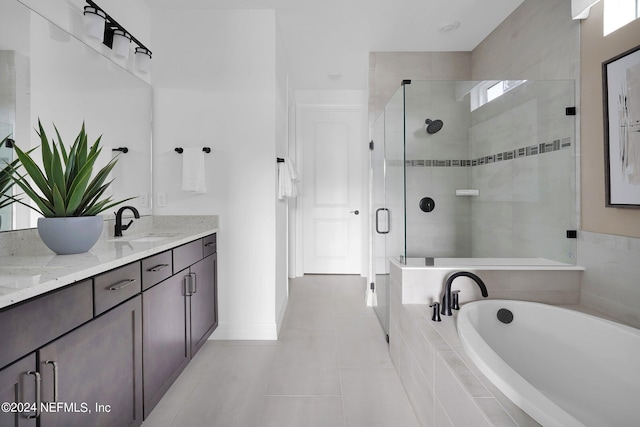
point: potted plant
(64, 191)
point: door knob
(355, 212)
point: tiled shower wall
(514, 150)
(445, 231)
(524, 145)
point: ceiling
(327, 41)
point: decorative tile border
(531, 150)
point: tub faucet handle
(455, 301)
(436, 312)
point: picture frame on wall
(621, 99)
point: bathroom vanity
(98, 338)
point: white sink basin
(150, 239)
(145, 237)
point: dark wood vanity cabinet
(96, 370)
(103, 351)
(19, 383)
(92, 376)
(180, 313)
(165, 348)
(204, 313)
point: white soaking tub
(563, 367)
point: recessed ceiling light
(449, 27)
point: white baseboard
(281, 314)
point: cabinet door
(95, 372)
(28, 326)
(204, 313)
(166, 351)
(18, 385)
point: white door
(331, 139)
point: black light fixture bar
(111, 25)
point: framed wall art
(621, 97)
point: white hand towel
(193, 177)
(287, 178)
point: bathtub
(562, 367)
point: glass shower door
(387, 160)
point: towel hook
(279, 160)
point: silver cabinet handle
(194, 283)
(38, 382)
(55, 378)
(206, 245)
(190, 285)
(158, 267)
(122, 284)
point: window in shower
(501, 88)
(489, 90)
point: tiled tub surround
(610, 282)
(528, 279)
(443, 385)
(29, 269)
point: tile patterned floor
(330, 367)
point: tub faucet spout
(447, 297)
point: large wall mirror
(48, 74)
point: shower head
(433, 126)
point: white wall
(283, 98)
(217, 83)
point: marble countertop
(27, 272)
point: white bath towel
(287, 177)
(193, 176)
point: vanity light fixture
(120, 43)
(143, 59)
(94, 21)
(115, 36)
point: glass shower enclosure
(474, 169)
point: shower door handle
(386, 221)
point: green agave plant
(64, 187)
(5, 180)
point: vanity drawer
(30, 325)
(115, 286)
(156, 268)
(209, 245)
(186, 255)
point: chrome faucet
(447, 300)
(119, 227)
